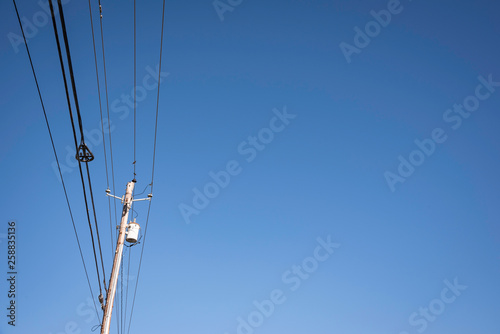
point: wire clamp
(84, 154)
(101, 300)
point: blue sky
(311, 224)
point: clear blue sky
(328, 171)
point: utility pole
(110, 298)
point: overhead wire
(80, 123)
(127, 285)
(124, 308)
(153, 166)
(57, 160)
(107, 111)
(82, 139)
(110, 140)
(135, 86)
(122, 299)
(102, 123)
(121, 295)
(74, 134)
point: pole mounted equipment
(127, 201)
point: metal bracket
(142, 199)
(108, 193)
(84, 154)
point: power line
(135, 85)
(82, 145)
(74, 132)
(107, 111)
(83, 154)
(153, 165)
(95, 220)
(63, 71)
(118, 312)
(102, 123)
(128, 280)
(121, 296)
(124, 311)
(109, 121)
(140, 264)
(70, 67)
(57, 160)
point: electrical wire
(102, 125)
(70, 67)
(135, 85)
(74, 136)
(146, 187)
(107, 110)
(153, 165)
(117, 299)
(95, 220)
(57, 160)
(80, 123)
(110, 147)
(124, 315)
(121, 294)
(127, 285)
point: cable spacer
(84, 154)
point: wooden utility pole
(110, 298)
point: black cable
(118, 312)
(70, 67)
(139, 270)
(104, 144)
(124, 314)
(135, 85)
(135, 142)
(127, 285)
(123, 322)
(143, 190)
(93, 329)
(121, 294)
(157, 98)
(80, 123)
(153, 166)
(102, 125)
(99, 93)
(95, 220)
(73, 127)
(63, 71)
(57, 160)
(107, 110)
